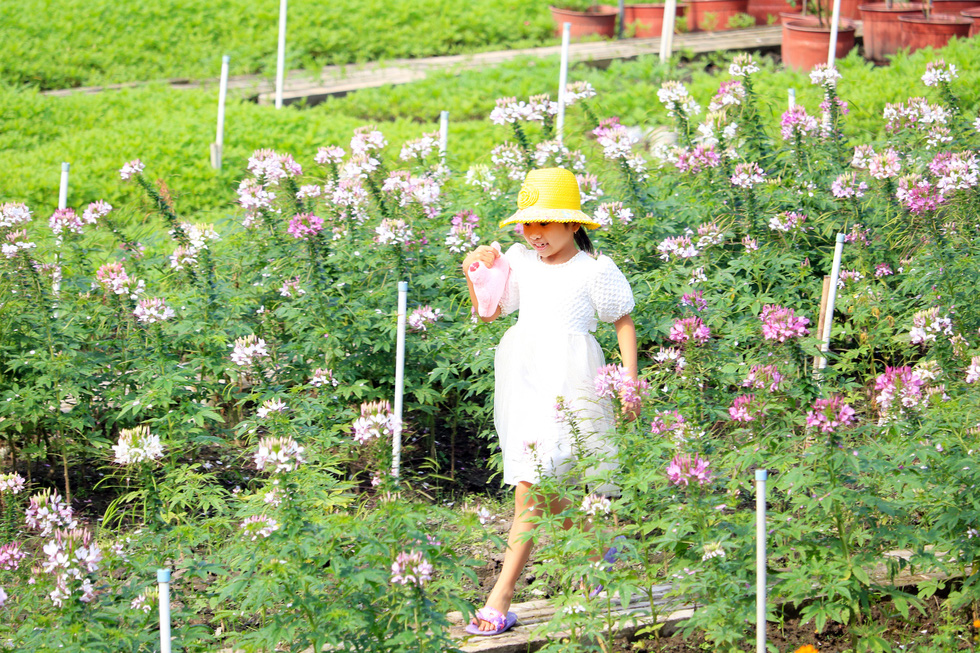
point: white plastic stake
(760, 560)
(163, 579)
(828, 320)
(63, 189)
(667, 31)
(566, 35)
(792, 97)
(443, 134)
(832, 48)
(219, 136)
(396, 440)
(62, 204)
(281, 59)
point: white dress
(550, 353)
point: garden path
(302, 85)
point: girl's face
(553, 241)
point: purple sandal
(493, 616)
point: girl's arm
(626, 335)
(487, 255)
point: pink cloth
(489, 283)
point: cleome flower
(249, 350)
(779, 323)
(690, 330)
(278, 454)
(12, 483)
(829, 414)
(153, 310)
(411, 568)
(137, 445)
(47, 511)
(684, 470)
(423, 317)
(377, 421)
(258, 526)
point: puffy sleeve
(609, 291)
(510, 301)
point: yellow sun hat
(550, 195)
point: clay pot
(848, 8)
(954, 7)
(713, 14)
(974, 15)
(648, 18)
(597, 21)
(806, 42)
(920, 32)
(763, 9)
(882, 32)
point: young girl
(550, 353)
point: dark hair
(583, 241)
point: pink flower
(462, 234)
(697, 159)
(332, 154)
(278, 454)
(797, 122)
(151, 311)
(787, 221)
(678, 246)
(937, 71)
(682, 470)
(258, 526)
(829, 414)
(411, 567)
(323, 377)
(65, 220)
(901, 384)
(666, 421)
(12, 483)
(114, 279)
(918, 194)
(249, 350)
(743, 409)
(615, 381)
(377, 421)
(695, 300)
(607, 212)
(14, 214)
(883, 270)
(304, 225)
(747, 175)
(10, 556)
(690, 329)
(973, 370)
(131, 169)
(779, 323)
(763, 377)
(847, 185)
(730, 94)
(47, 511)
(423, 317)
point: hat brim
(534, 214)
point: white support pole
(828, 320)
(832, 48)
(760, 560)
(396, 440)
(219, 136)
(443, 135)
(281, 59)
(667, 31)
(792, 97)
(566, 36)
(63, 188)
(62, 204)
(163, 579)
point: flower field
(209, 389)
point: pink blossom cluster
(394, 231)
(198, 236)
(377, 422)
(131, 169)
(71, 556)
(699, 158)
(588, 185)
(352, 199)
(745, 408)
(462, 232)
(668, 421)
(918, 194)
(916, 113)
(17, 242)
(787, 221)
(670, 356)
(290, 288)
(367, 139)
(677, 246)
(927, 324)
(829, 414)
(883, 270)
(249, 350)
(676, 99)
(616, 381)
(901, 384)
(846, 276)
(509, 110)
(695, 300)
(973, 370)
(309, 191)
(323, 377)
(578, 91)
(258, 526)
(144, 600)
(114, 279)
(743, 65)
(253, 196)
(841, 106)
(423, 317)
(273, 406)
(747, 175)
(730, 94)
(709, 233)
(780, 323)
(408, 189)
(608, 212)
(797, 122)
(955, 171)
(278, 454)
(271, 166)
(14, 214)
(420, 148)
(96, 211)
(764, 377)
(847, 186)
(690, 330)
(684, 470)
(616, 140)
(359, 166)
(67, 220)
(508, 158)
(824, 75)
(554, 154)
(938, 71)
(153, 310)
(411, 568)
(596, 504)
(12, 483)
(48, 511)
(884, 165)
(10, 556)
(750, 244)
(304, 225)
(137, 445)
(858, 234)
(331, 154)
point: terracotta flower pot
(598, 21)
(713, 15)
(882, 32)
(805, 44)
(974, 15)
(953, 6)
(761, 10)
(920, 32)
(648, 18)
(848, 8)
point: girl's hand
(631, 410)
(484, 254)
